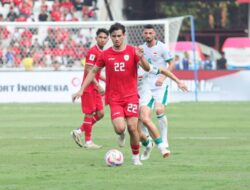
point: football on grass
(114, 157)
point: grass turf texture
(210, 144)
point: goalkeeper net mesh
(47, 44)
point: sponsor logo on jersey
(116, 113)
(91, 57)
(111, 58)
(126, 57)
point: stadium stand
(47, 47)
(64, 10)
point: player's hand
(77, 95)
(159, 81)
(183, 87)
(139, 51)
(101, 90)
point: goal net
(60, 44)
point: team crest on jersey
(92, 57)
(126, 57)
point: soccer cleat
(165, 152)
(147, 151)
(77, 138)
(121, 140)
(136, 162)
(92, 146)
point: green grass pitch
(210, 144)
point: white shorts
(160, 95)
(146, 97)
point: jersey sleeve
(101, 61)
(167, 55)
(91, 58)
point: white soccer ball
(114, 157)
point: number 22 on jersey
(119, 66)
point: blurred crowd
(38, 47)
(185, 62)
(55, 47)
(43, 10)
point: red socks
(135, 149)
(87, 125)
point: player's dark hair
(149, 26)
(117, 26)
(102, 30)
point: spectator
(207, 64)
(86, 9)
(186, 61)
(177, 62)
(221, 63)
(66, 4)
(56, 14)
(12, 16)
(67, 15)
(56, 5)
(1, 18)
(50, 39)
(28, 62)
(44, 5)
(78, 4)
(43, 16)
(25, 9)
(56, 64)
(9, 58)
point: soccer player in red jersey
(121, 62)
(91, 99)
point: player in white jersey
(158, 55)
(146, 103)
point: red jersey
(91, 59)
(121, 73)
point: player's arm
(161, 78)
(171, 65)
(171, 75)
(167, 73)
(143, 61)
(90, 77)
(88, 68)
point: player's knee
(146, 121)
(119, 130)
(100, 115)
(132, 129)
(160, 110)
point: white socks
(163, 123)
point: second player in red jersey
(91, 99)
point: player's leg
(99, 114)
(146, 142)
(119, 124)
(160, 96)
(88, 103)
(145, 112)
(131, 111)
(96, 114)
(134, 139)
